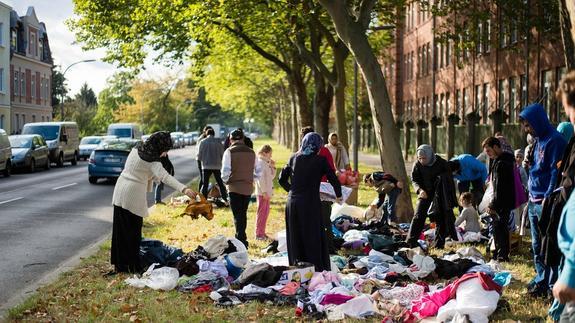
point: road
(49, 216)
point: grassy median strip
(83, 294)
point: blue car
(109, 158)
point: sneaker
(262, 238)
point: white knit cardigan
(136, 179)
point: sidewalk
(373, 160)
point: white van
(5, 154)
(63, 139)
(125, 130)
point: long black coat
(306, 238)
(424, 177)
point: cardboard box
(352, 199)
(303, 275)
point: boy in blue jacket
(470, 174)
(548, 151)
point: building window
(42, 118)
(485, 102)
(501, 95)
(512, 97)
(546, 95)
(41, 49)
(22, 84)
(487, 36)
(441, 104)
(33, 118)
(448, 53)
(457, 102)
(16, 89)
(2, 87)
(523, 87)
(1, 34)
(33, 87)
(447, 104)
(428, 59)
(478, 44)
(477, 93)
(2, 122)
(14, 40)
(513, 33)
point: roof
(52, 123)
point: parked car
(188, 138)
(177, 139)
(109, 158)
(62, 138)
(29, 151)
(5, 154)
(194, 137)
(125, 130)
(87, 145)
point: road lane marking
(64, 186)
(11, 200)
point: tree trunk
(339, 100)
(323, 99)
(294, 137)
(303, 109)
(567, 22)
(354, 36)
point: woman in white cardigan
(143, 166)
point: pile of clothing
(384, 279)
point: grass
(83, 294)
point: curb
(67, 265)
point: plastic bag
(487, 198)
(165, 278)
(346, 209)
(281, 237)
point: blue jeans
(389, 205)
(546, 276)
(158, 192)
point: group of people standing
(534, 185)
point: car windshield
(121, 132)
(90, 141)
(49, 132)
(117, 145)
(20, 142)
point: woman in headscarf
(301, 177)
(142, 167)
(338, 152)
(424, 174)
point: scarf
(427, 151)
(311, 144)
(153, 147)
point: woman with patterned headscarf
(301, 177)
(142, 167)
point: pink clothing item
(320, 279)
(429, 303)
(405, 295)
(262, 215)
(290, 288)
(335, 299)
(265, 183)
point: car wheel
(93, 179)
(47, 166)
(60, 161)
(32, 166)
(75, 160)
(8, 169)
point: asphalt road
(49, 216)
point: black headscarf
(153, 147)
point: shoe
(537, 291)
(263, 238)
(160, 203)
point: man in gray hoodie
(210, 155)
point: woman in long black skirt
(130, 204)
(301, 177)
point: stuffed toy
(196, 208)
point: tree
(83, 109)
(111, 98)
(351, 21)
(567, 21)
(59, 89)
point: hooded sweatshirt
(548, 151)
(470, 168)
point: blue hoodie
(548, 151)
(470, 168)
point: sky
(65, 51)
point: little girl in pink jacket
(264, 189)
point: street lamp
(249, 121)
(186, 101)
(66, 70)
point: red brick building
(427, 78)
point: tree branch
(250, 42)
(365, 9)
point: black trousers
(207, 173)
(475, 187)
(201, 176)
(501, 235)
(239, 204)
(325, 214)
(418, 223)
(126, 237)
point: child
(388, 189)
(469, 214)
(264, 189)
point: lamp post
(66, 70)
(186, 101)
